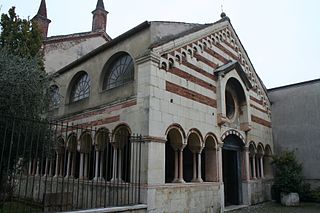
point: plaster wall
(296, 125)
(62, 53)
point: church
(189, 89)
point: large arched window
(119, 71)
(54, 96)
(80, 88)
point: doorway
(231, 162)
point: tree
(23, 93)
(23, 81)
(21, 36)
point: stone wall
(204, 197)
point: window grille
(119, 72)
(81, 88)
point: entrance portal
(231, 162)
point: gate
(52, 166)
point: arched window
(80, 88)
(119, 72)
(54, 96)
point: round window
(230, 105)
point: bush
(288, 173)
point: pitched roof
(100, 4)
(234, 65)
(42, 9)
(75, 36)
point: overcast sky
(280, 36)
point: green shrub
(288, 173)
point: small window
(81, 88)
(230, 105)
(54, 97)
(119, 72)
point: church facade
(189, 89)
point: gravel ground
(272, 207)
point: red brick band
(171, 87)
(107, 109)
(260, 121)
(256, 100)
(189, 77)
(258, 108)
(199, 70)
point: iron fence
(53, 166)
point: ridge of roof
(112, 42)
(76, 35)
(196, 27)
(303, 83)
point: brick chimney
(41, 19)
(99, 21)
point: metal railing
(52, 166)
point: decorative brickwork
(260, 121)
(189, 77)
(171, 87)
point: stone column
(96, 172)
(261, 167)
(180, 176)
(220, 176)
(81, 166)
(194, 165)
(199, 178)
(254, 167)
(68, 164)
(101, 166)
(30, 168)
(115, 164)
(46, 167)
(120, 165)
(176, 166)
(247, 163)
(37, 168)
(86, 162)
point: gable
(211, 48)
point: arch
(184, 53)
(252, 159)
(233, 132)
(59, 145)
(117, 71)
(171, 62)
(209, 159)
(73, 157)
(259, 160)
(101, 138)
(85, 142)
(260, 149)
(72, 142)
(121, 146)
(191, 154)
(195, 138)
(178, 127)
(267, 162)
(79, 87)
(173, 153)
(211, 141)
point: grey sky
(280, 36)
